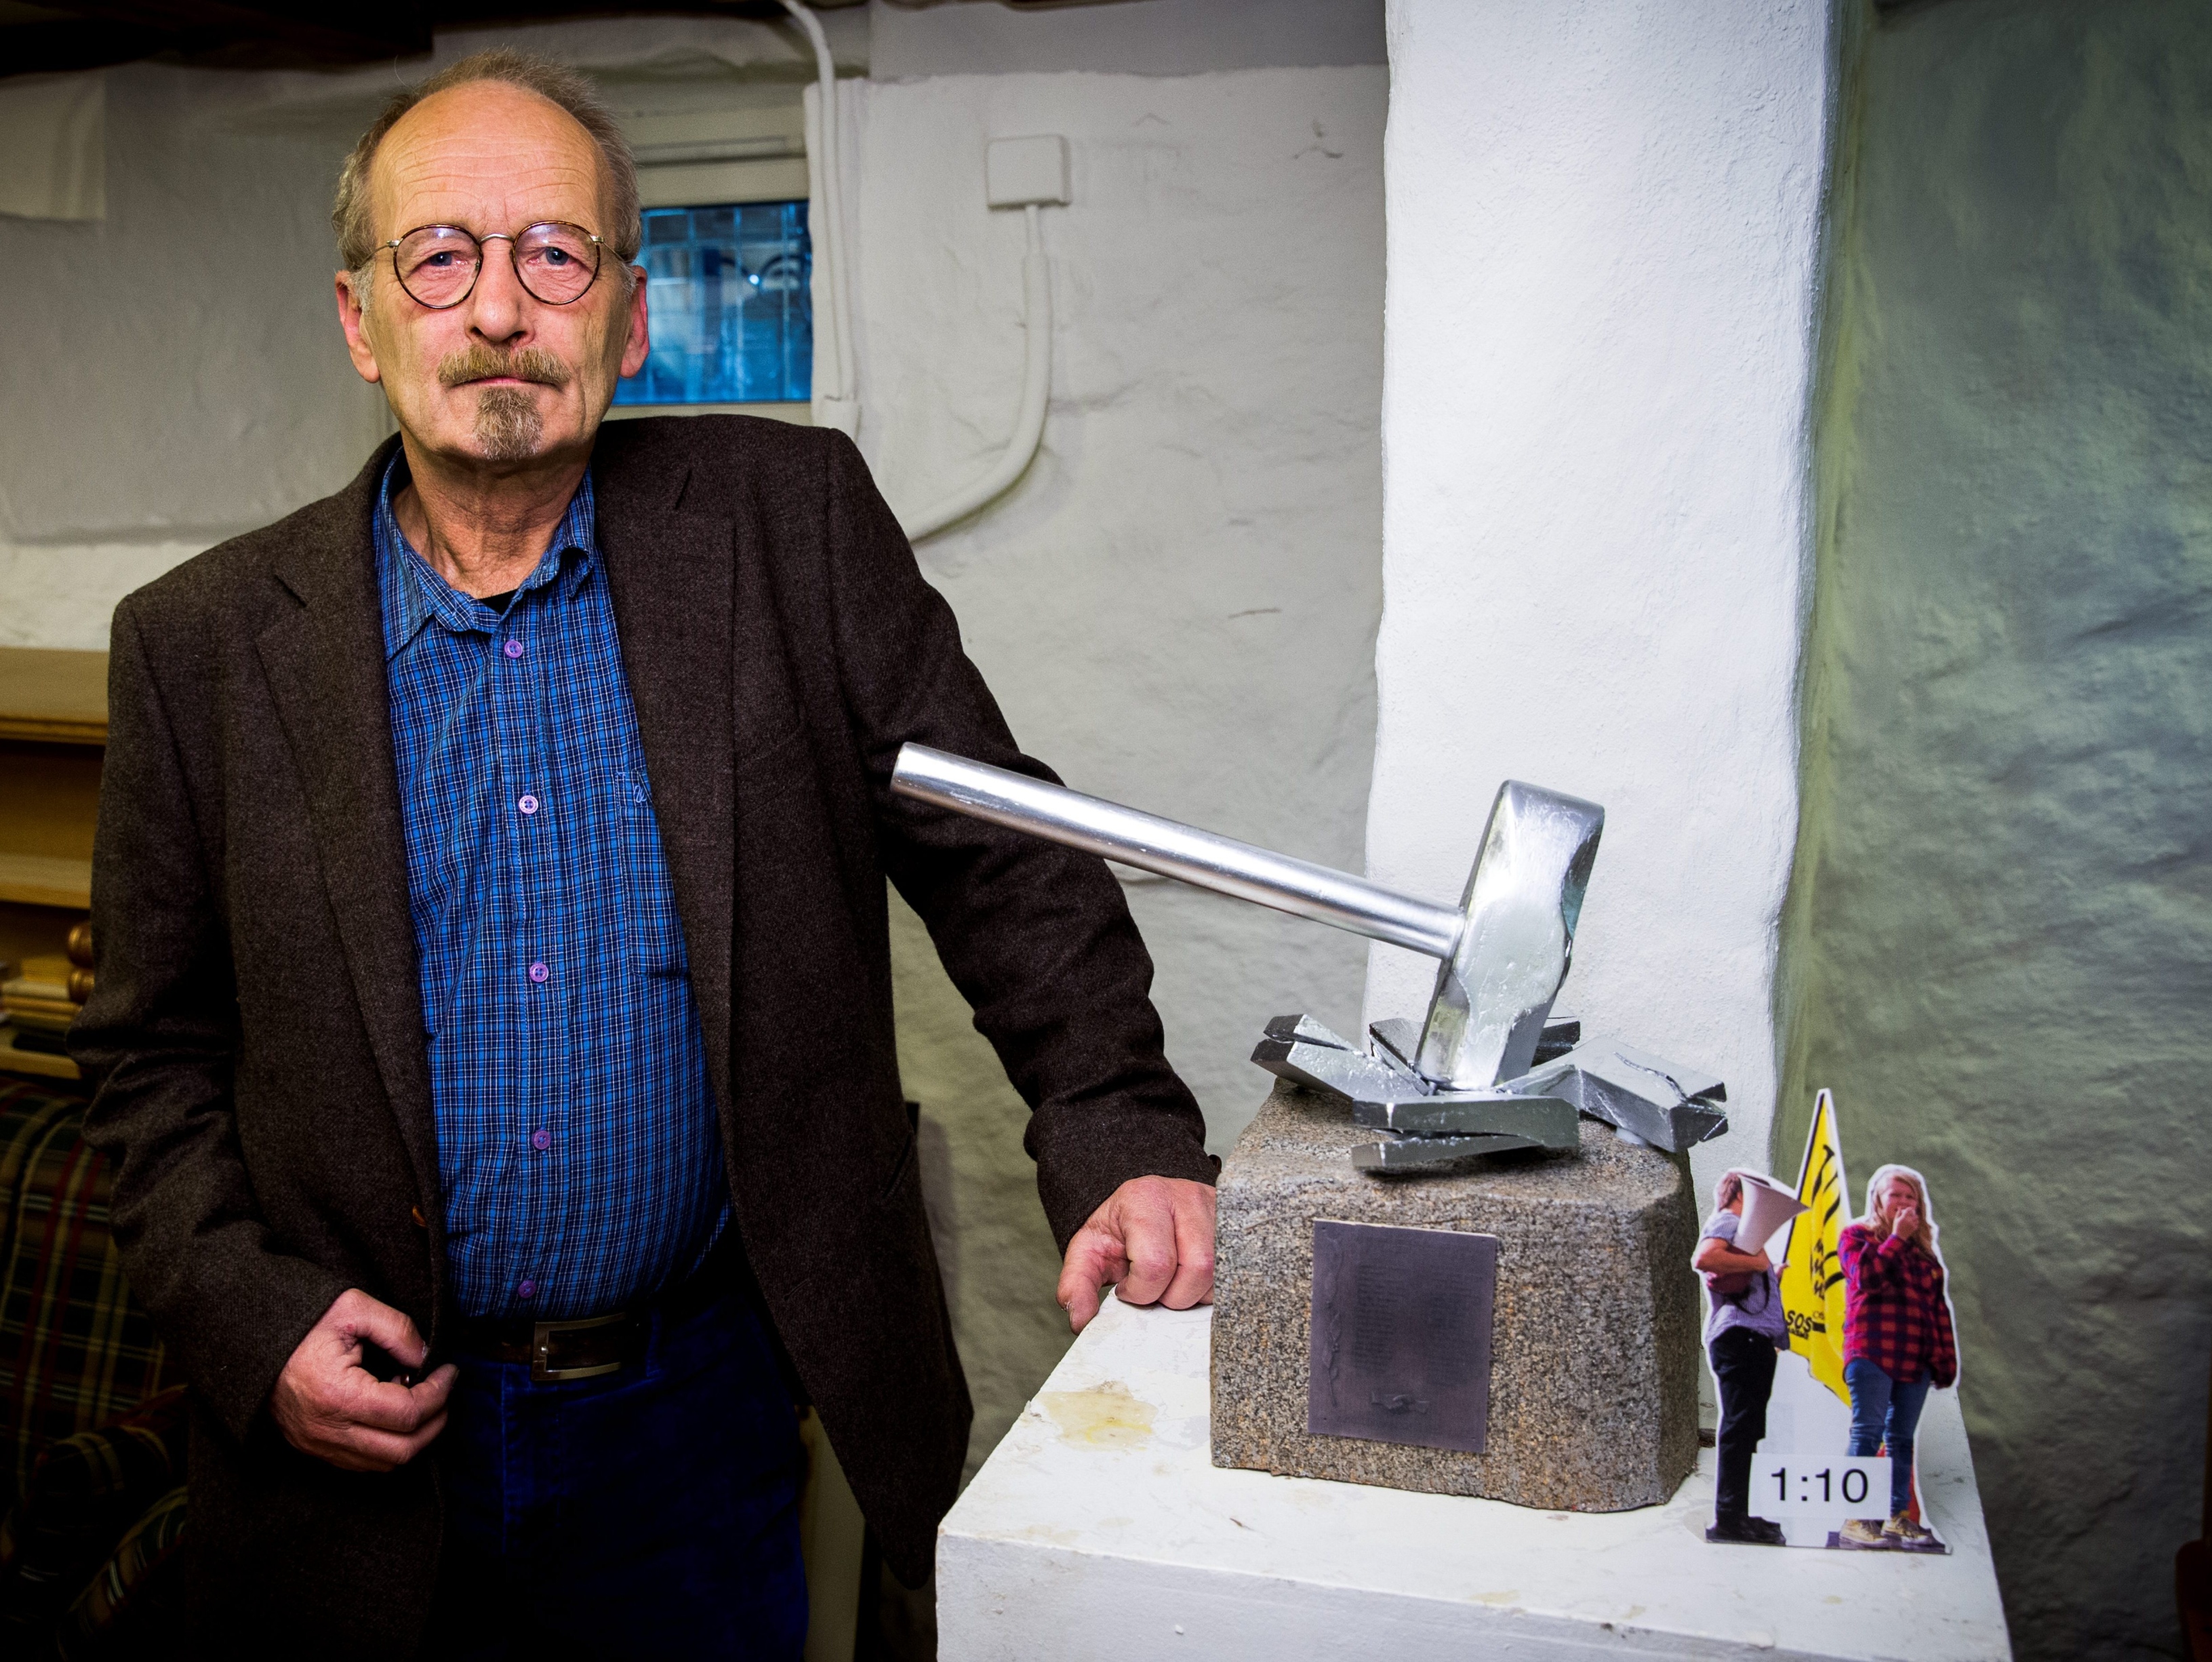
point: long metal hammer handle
(1153, 844)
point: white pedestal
(1099, 1529)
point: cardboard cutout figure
(1745, 1331)
(1865, 1333)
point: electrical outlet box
(1018, 172)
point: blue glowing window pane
(732, 320)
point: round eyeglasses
(438, 264)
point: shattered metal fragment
(1429, 1153)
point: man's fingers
(1194, 1233)
(376, 1432)
(432, 1392)
(362, 1448)
(424, 1434)
(1148, 1240)
(1094, 1259)
(327, 1405)
(1153, 1238)
(390, 1331)
(387, 1405)
(1080, 1301)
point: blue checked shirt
(577, 1136)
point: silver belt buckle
(541, 1349)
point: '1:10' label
(1846, 1486)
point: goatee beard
(508, 426)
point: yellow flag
(1812, 1273)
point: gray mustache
(481, 363)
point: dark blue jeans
(1884, 1415)
(650, 1512)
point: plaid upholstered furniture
(91, 1432)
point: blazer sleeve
(158, 1036)
(1036, 937)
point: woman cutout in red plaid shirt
(1897, 1340)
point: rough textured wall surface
(1153, 37)
(1177, 603)
(1997, 939)
(1604, 224)
(993, 1246)
(173, 374)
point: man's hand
(328, 1405)
(1153, 1238)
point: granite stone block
(1593, 1387)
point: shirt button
(514, 648)
(528, 805)
(539, 972)
(541, 1139)
(526, 1290)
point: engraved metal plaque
(1402, 1335)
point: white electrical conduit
(1037, 388)
(840, 409)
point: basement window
(729, 305)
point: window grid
(731, 312)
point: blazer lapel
(671, 577)
(325, 663)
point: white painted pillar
(1600, 317)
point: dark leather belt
(587, 1347)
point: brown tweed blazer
(257, 1029)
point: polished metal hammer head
(1517, 937)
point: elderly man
(494, 1021)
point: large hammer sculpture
(1492, 1067)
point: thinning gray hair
(557, 84)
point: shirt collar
(413, 593)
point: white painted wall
(1604, 227)
(1132, 37)
(1176, 604)
(158, 390)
